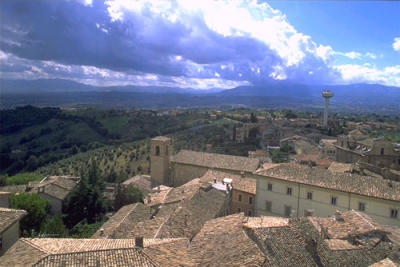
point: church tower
(160, 149)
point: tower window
(157, 151)
(382, 151)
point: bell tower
(160, 149)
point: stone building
(9, 227)
(187, 165)
(358, 147)
(160, 148)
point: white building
(293, 190)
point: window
(1, 242)
(269, 187)
(333, 200)
(361, 206)
(240, 197)
(309, 195)
(157, 151)
(239, 210)
(393, 213)
(268, 205)
(249, 213)
(289, 191)
(251, 200)
(382, 151)
(166, 150)
(288, 211)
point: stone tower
(160, 149)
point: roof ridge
(28, 242)
(123, 219)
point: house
(56, 189)
(358, 147)
(354, 239)
(293, 190)
(143, 182)
(243, 189)
(5, 199)
(168, 213)
(327, 148)
(9, 227)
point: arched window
(157, 151)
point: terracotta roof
(265, 221)
(9, 216)
(87, 252)
(113, 257)
(55, 186)
(325, 162)
(384, 263)
(217, 161)
(340, 167)
(345, 182)
(143, 182)
(222, 242)
(350, 223)
(248, 185)
(121, 223)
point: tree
(54, 227)
(127, 195)
(86, 201)
(31, 163)
(253, 118)
(35, 206)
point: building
(56, 189)
(168, 213)
(98, 252)
(160, 148)
(243, 189)
(9, 227)
(293, 190)
(327, 148)
(358, 147)
(187, 165)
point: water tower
(327, 95)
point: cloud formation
(200, 44)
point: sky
(201, 44)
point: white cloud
(351, 55)
(367, 73)
(396, 44)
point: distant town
(201, 187)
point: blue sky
(201, 44)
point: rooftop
(345, 182)
(120, 224)
(217, 161)
(92, 252)
(248, 185)
(9, 216)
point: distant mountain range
(357, 98)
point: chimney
(102, 231)
(338, 216)
(209, 148)
(139, 241)
(215, 180)
(148, 198)
(242, 174)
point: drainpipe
(298, 200)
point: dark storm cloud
(68, 32)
